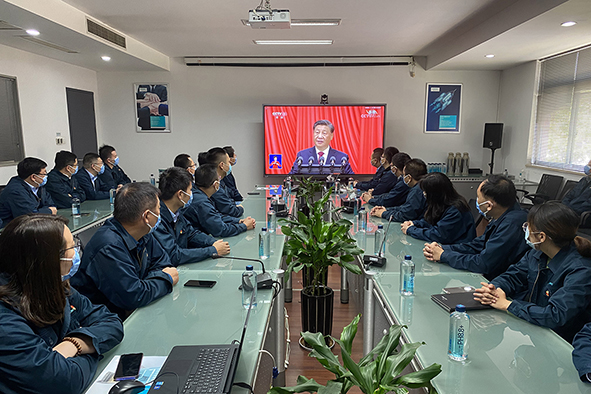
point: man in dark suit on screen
(321, 153)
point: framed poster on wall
(443, 108)
(152, 108)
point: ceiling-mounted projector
(265, 19)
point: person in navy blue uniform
(25, 193)
(321, 152)
(376, 161)
(579, 198)
(229, 182)
(123, 266)
(222, 201)
(89, 180)
(397, 195)
(448, 218)
(113, 175)
(51, 336)
(582, 353)
(549, 286)
(388, 180)
(502, 243)
(183, 243)
(61, 182)
(202, 213)
(415, 204)
(185, 162)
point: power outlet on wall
(59, 140)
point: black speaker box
(493, 135)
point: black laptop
(449, 301)
(200, 368)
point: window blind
(11, 146)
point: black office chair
(568, 186)
(547, 190)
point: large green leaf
(303, 385)
(348, 334)
(357, 378)
(396, 363)
(332, 387)
(323, 353)
(395, 331)
(391, 345)
(420, 378)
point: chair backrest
(568, 186)
(550, 186)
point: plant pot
(317, 310)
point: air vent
(47, 44)
(7, 26)
(105, 34)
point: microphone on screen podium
(300, 161)
(344, 161)
(310, 162)
(332, 161)
(264, 280)
(321, 161)
(379, 260)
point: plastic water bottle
(407, 276)
(288, 185)
(76, 207)
(271, 220)
(362, 219)
(264, 244)
(459, 330)
(379, 246)
(152, 180)
(355, 204)
(249, 287)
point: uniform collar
(130, 241)
(167, 215)
(92, 177)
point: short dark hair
(89, 159)
(133, 199)
(500, 189)
(389, 152)
(206, 175)
(64, 158)
(202, 158)
(29, 166)
(31, 247)
(172, 180)
(105, 152)
(229, 150)
(324, 123)
(441, 194)
(399, 160)
(415, 168)
(182, 161)
(378, 152)
(215, 156)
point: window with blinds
(562, 133)
(11, 136)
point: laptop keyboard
(209, 376)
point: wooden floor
(299, 361)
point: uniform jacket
(203, 215)
(366, 185)
(582, 352)
(183, 243)
(306, 154)
(114, 176)
(412, 209)
(18, 199)
(29, 365)
(501, 245)
(386, 183)
(395, 197)
(554, 294)
(231, 189)
(63, 189)
(226, 205)
(98, 191)
(120, 272)
(579, 198)
(454, 226)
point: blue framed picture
(443, 108)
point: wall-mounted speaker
(493, 135)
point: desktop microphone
(321, 161)
(264, 280)
(310, 161)
(344, 161)
(300, 161)
(379, 260)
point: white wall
(223, 106)
(42, 86)
(518, 88)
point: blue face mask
(117, 161)
(404, 180)
(528, 242)
(75, 264)
(587, 170)
(75, 169)
(153, 228)
(190, 198)
(235, 160)
(229, 169)
(42, 182)
(480, 210)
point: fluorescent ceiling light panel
(490, 56)
(106, 58)
(293, 42)
(32, 32)
(306, 22)
(568, 24)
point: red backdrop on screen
(359, 129)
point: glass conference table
(506, 354)
(199, 316)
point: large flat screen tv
(322, 139)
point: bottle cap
(249, 268)
(264, 229)
(407, 257)
(380, 226)
(362, 209)
(460, 308)
(271, 208)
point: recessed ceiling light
(293, 42)
(490, 56)
(32, 32)
(568, 24)
(106, 58)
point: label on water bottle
(261, 246)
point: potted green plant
(379, 372)
(314, 244)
